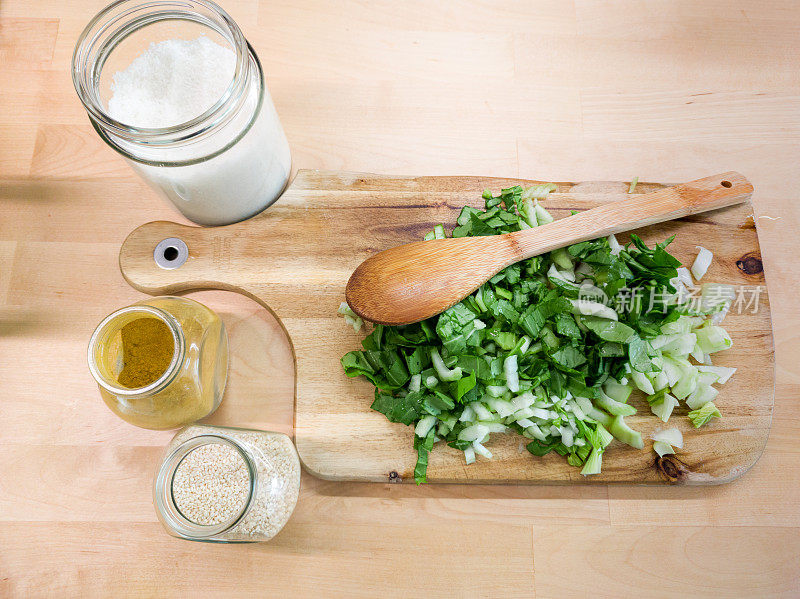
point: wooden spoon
(418, 280)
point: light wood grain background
(562, 90)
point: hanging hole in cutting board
(726, 184)
(171, 253)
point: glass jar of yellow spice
(161, 363)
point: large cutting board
(295, 259)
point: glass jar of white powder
(174, 87)
(227, 485)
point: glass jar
(178, 369)
(222, 166)
(227, 485)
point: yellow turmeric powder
(134, 347)
(147, 349)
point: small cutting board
(295, 259)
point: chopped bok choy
(702, 415)
(549, 348)
(350, 317)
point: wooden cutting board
(295, 259)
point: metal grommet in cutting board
(171, 253)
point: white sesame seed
(212, 482)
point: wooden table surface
(559, 90)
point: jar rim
(164, 497)
(122, 18)
(106, 137)
(166, 377)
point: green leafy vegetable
(662, 448)
(350, 317)
(702, 415)
(549, 348)
(423, 447)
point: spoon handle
(710, 193)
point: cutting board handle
(164, 257)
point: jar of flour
(176, 89)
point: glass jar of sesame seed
(227, 485)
